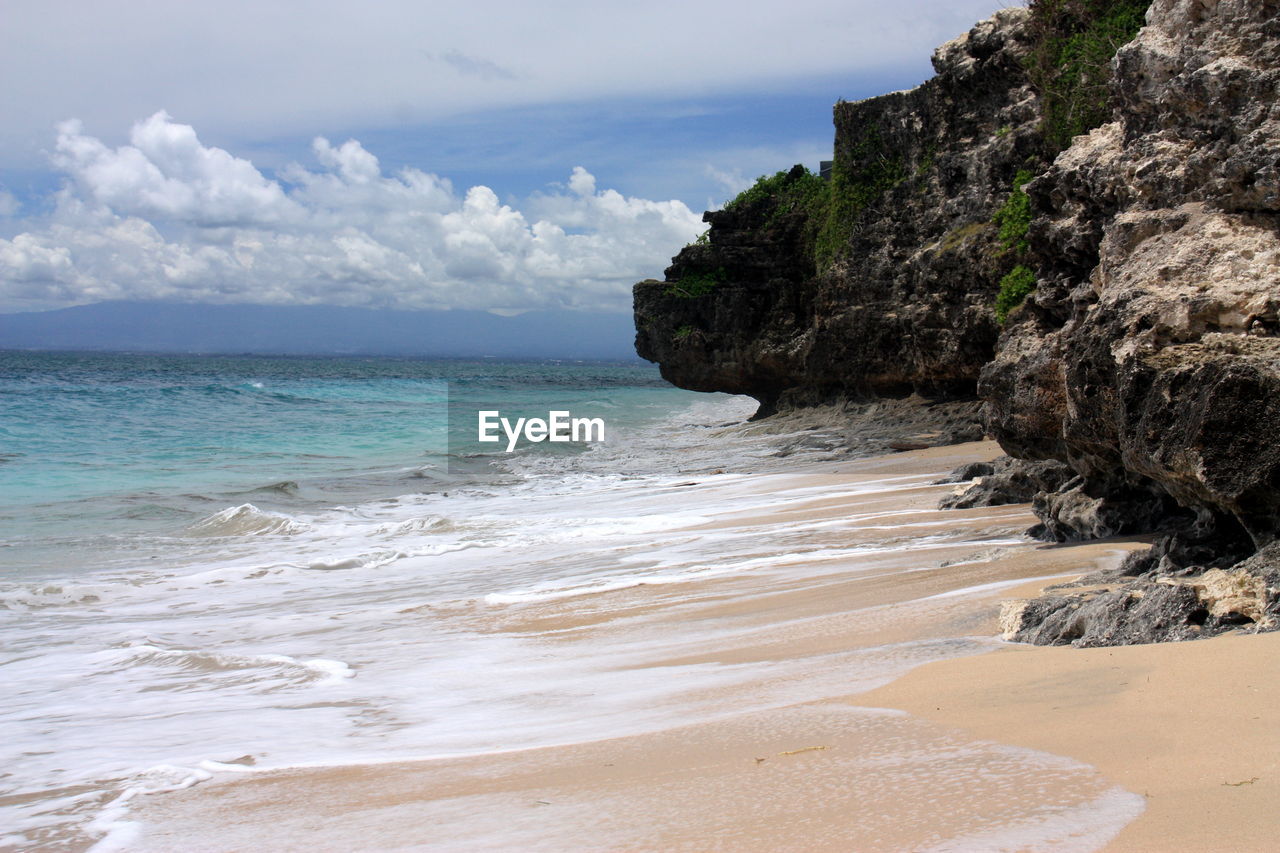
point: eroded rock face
(898, 297)
(1149, 357)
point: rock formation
(1148, 358)
(888, 289)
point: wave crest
(264, 672)
(247, 520)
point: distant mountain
(319, 330)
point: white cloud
(166, 172)
(731, 182)
(582, 182)
(259, 70)
(168, 217)
(472, 66)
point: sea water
(215, 564)
(198, 555)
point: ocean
(212, 567)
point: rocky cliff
(1144, 367)
(1148, 358)
(882, 282)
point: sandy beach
(1192, 727)
(1138, 748)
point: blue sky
(493, 155)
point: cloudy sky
(410, 153)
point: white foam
(1077, 828)
(600, 586)
(846, 557)
(117, 832)
(54, 595)
(984, 588)
(246, 520)
(255, 671)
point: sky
(411, 154)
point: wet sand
(1018, 749)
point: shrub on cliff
(1070, 61)
(697, 284)
(783, 193)
(1014, 289)
(868, 171)
(798, 192)
(1014, 217)
(1073, 42)
(1014, 221)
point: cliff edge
(879, 282)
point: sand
(1140, 748)
(1193, 727)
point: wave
(425, 524)
(51, 595)
(265, 671)
(284, 487)
(361, 561)
(379, 559)
(594, 587)
(247, 520)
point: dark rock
(1072, 514)
(970, 471)
(1165, 601)
(1150, 614)
(1004, 481)
(889, 296)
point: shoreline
(832, 771)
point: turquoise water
(97, 448)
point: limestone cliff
(881, 283)
(1148, 358)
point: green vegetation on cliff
(1014, 217)
(1073, 42)
(697, 284)
(830, 208)
(857, 182)
(1014, 289)
(1070, 61)
(796, 191)
(1014, 221)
